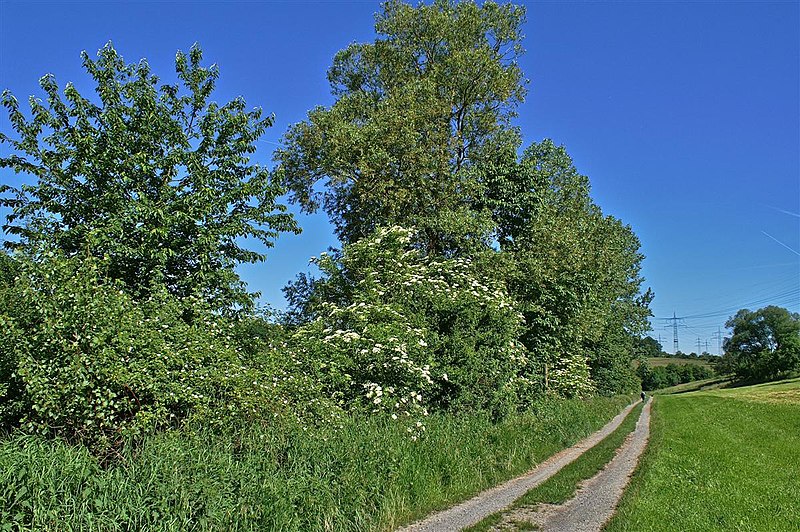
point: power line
(757, 288)
(793, 294)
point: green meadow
(724, 459)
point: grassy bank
(726, 459)
(367, 475)
(704, 384)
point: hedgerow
(85, 361)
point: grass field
(719, 460)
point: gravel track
(500, 497)
(596, 500)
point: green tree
(573, 270)
(416, 112)
(764, 344)
(158, 179)
(648, 347)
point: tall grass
(366, 475)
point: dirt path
(596, 500)
(495, 499)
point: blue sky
(685, 116)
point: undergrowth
(366, 474)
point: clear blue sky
(685, 116)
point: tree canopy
(649, 347)
(764, 343)
(416, 112)
(157, 178)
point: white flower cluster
(571, 377)
(387, 352)
(340, 335)
(381, 337)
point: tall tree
(416, 112)
(574, 270)
(157, 179)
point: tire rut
(597, 498)
(496, 499)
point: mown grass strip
(365, 475)
(563, 485)
(714, 382)
(716, 463)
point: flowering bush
(400, 333)
(570, 376)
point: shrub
(84, 361)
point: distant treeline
(650, 348)
(691, 356)
(655, 378)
